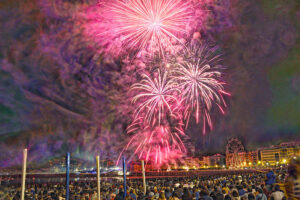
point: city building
(217, 160)
(193, 163)
(187, 163)
(236, 160)
(252, 158)
(236, 157)
(279, 154)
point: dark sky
(57, 94)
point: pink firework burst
(151, 25)
(156, 98)
(199, 79)
(158, 145)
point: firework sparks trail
(199, 80)
(158, 145)
(156, 98)
(151, 25)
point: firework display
(158, 97)
(188, 87)
(199, 80)
(159, 144)
(73, 77)
(193, 86)
(100, 73)
(144, 27)
(150, 24)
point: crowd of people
(274, 185)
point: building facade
(280, 154)
(216, 160)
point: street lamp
(284, 161)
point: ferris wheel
(233, 149)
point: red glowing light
(158, 145)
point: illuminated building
(238, 157)
(252, 158)
(214, 160)
(279, 154)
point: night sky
(59, 92)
